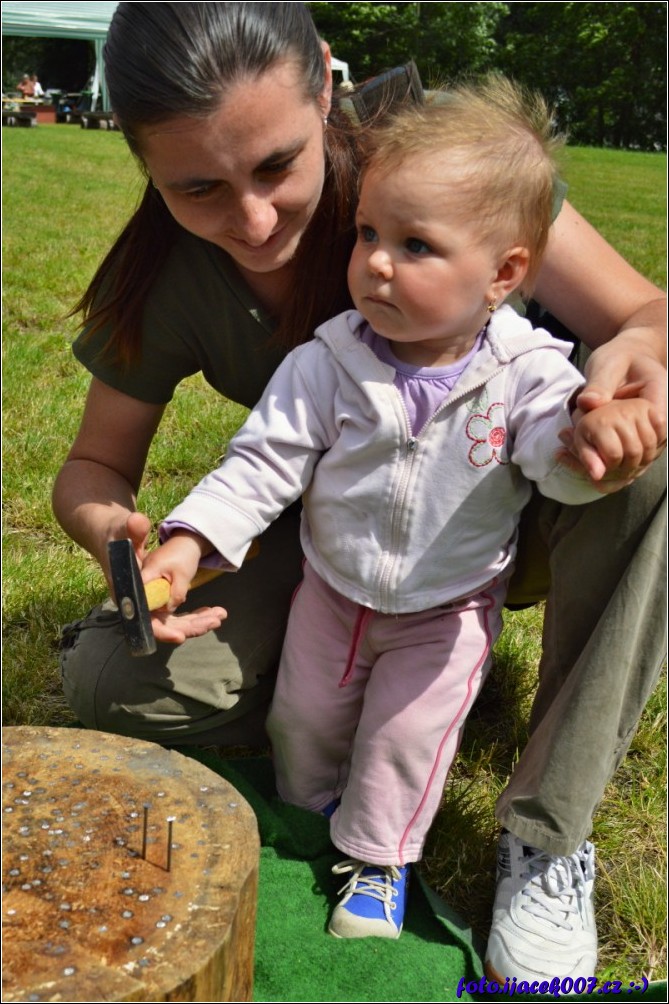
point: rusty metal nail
(170, 824)
(145, 826)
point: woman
(237, 251)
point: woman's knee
(205, 681)
(179, 691)
(109, 689)
(86, 648)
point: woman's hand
(137, 529)
(176, 628)
(177, 561)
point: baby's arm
(177, 560)
(613, 444)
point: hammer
(135, 599)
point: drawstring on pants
(362, 619)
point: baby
(412, 427)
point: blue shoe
(331, 808)
(373, 902)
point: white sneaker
(543, 919)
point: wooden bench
(97, 120)
(18, 118)
(70, 117)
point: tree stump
(130, 872)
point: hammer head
(131, 598)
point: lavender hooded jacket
(394, 521)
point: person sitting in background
(26, 87)
(38, 90)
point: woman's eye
(200, 193)
(280, 167)
(416, 246)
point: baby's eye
(416, 246)
(366, 234)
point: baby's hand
(612, 444)
(177, 561)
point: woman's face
(249, 177)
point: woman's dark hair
(164, 60)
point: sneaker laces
(553, 878)
(377, 886)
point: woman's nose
(380, 264)
(256, 219)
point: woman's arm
(613, 310)
(95, 491)
(588, 286)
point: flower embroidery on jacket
(489, 435)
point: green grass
(66, 195)
(623, 195)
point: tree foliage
(444, 39)
(601, 65)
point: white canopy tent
(64, 20)
(77, 20)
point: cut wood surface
(97, 906)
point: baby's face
(419, 272)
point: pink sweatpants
(370, 707)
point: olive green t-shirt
(199, 316)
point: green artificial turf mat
(296, 959)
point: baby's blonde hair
(500, 138)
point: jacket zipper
(411, 446)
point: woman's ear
(325, 97)
(511, 271)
